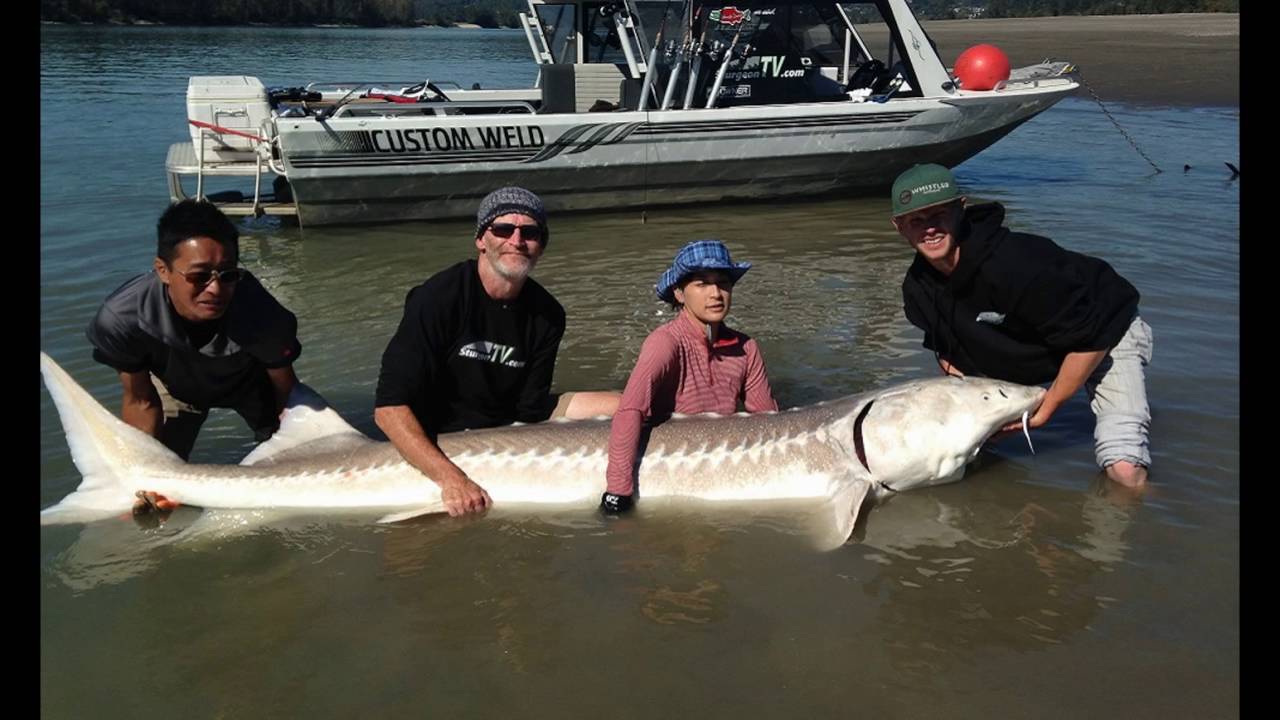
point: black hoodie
(1015, 304)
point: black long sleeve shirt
(462, 360)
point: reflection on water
(937, 563)
(1021, 590)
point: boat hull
(347, 170)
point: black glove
(615, 504)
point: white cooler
(237, 102)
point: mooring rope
(1115, 122)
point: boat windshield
(559, 26)
(795, 50)
(601, 33)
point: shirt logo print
(495, 353)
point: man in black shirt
(1021, 308)
(476, 348)
(197, 332)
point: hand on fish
(151, 509)
(1027, 422)
(462, 495)
(148, 502)
(1037, 418)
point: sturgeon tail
(108, 452)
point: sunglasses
(201, 278)
(532, 233)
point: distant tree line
(504, 13)
(367, 13)
(485, 13)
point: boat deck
(182, 161)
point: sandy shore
(1188, 59)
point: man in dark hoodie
(1021, 308)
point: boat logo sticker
(581, 138)
(737, 91)
(729, 15)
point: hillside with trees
(503, 13)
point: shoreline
(1182, 60)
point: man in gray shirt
(197, 332)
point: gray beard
(512, 275)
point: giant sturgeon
(910, 435)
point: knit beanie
(511, 200)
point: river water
(1031, 589)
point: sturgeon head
(924, 432)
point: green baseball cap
(923, 186)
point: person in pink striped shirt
(692, 364)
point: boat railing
(1044, 70)
(330, 89)
(437, 108)
(262, 145)
(345, 85)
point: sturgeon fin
(407, 514)
(108, 452)
(842, 511)
(307, 417)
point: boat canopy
(774, 51)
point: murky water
(1026, 590)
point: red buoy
(982, 67)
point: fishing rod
(697, 65)
(683, 52)
(652, 68)
(724, 67)
(670, 53)
(713, 55)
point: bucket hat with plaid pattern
(695, 257)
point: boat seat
(872, 75)
(576, 87)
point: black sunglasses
(532, 233)
(201, 278)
